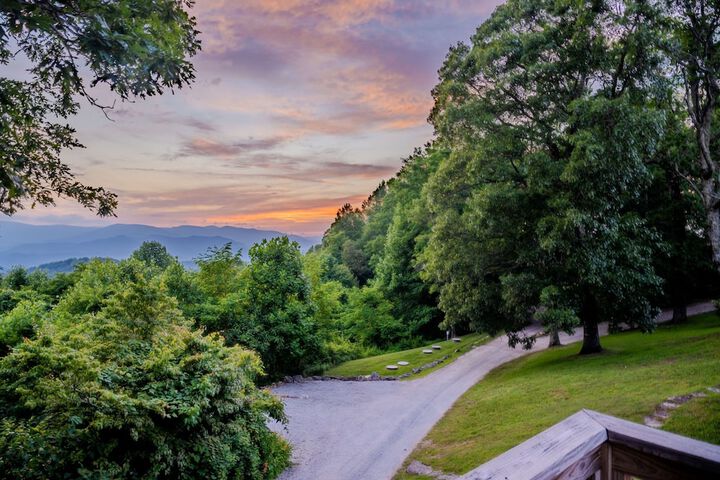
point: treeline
(145, 366)
(571, 178)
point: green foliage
(369, 319)
(21, 322)
(380, 245)
(131, 391)
(98, 281)
(548, 141)
(342, 243)
(327, 295)
(398, 271)
(219, 270)
(153, 254)
(16, 278)
(272, 313)
(137, 49)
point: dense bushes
(117, 383)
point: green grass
(521, 398)
(699, 418)
(365, 366)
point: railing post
(606, 468)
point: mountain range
(33, 245)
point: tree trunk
(713, 219)
(678, 281)
(679, 314)
(591, 333)
(554, 339)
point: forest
(571, 180)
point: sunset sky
(299, 107)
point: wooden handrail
(591, 445)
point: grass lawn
(699, 418)
(635, 373)
(415, 357)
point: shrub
(21, 322)
(131, 391)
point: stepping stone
(457, 339)
(403, 364)
(653, 422)
(436, 347)
(392, 367)
(427, 350)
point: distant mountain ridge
(32, 245)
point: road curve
(365, 430)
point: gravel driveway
(365, 430)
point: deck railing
(589, 445)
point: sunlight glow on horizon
(299, 106)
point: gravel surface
(365, 430)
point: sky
(299, 107)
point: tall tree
(137, 49)
(153, 254)
(697, 52)
(398, 273)
(273, 310)
(549, 123)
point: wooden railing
(589, 445)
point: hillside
(33, 245)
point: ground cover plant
(524, 397)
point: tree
(130, 392)
(398, 273)
(137, 49)
(153, 254)
(219, 270)
(696, 51)
(549, 117)
(343, 242)
(21, 322)
(272, 313)
(676, 212)
(97, 282)
(369, 318)
(16, 278)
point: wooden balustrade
(591, 446)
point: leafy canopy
(135, 48)
(130, 390)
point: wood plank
(648, 467)
(676, 448)
(606, 462)
(582, 469)
(548, 454)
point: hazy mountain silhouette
(32, 245)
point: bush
(369, 318)
(273, 312)
(131, 391)
(21, 322)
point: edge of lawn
(377, 363)
(525, 396)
